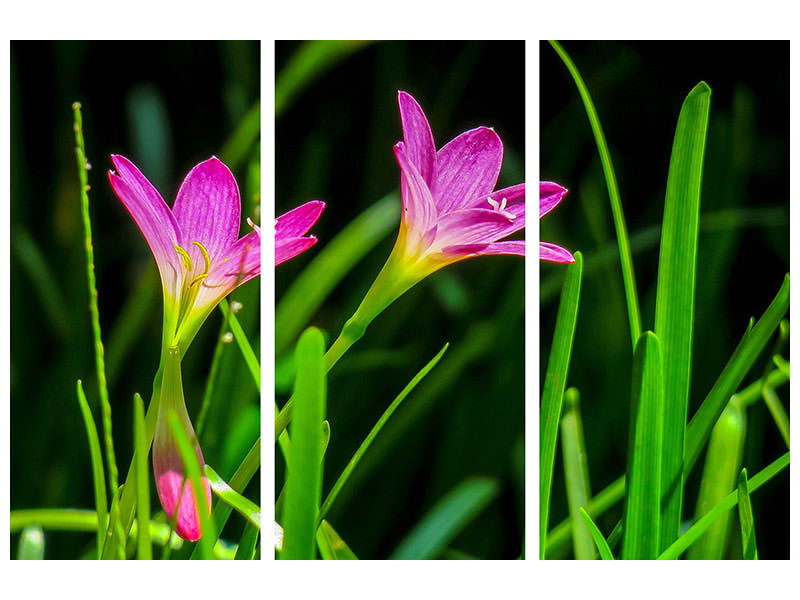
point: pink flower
(450, 211)
(291, 229)
(195, 244)
(550, 194)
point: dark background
(166, 106)
(638, 89)
(335, 144)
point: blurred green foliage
(743, 251)
(166, 106)
(465, 420)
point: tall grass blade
(777, 411)
(331, 545)
(624, 246)
(304, 483)
(376, 429)
(144, 549)
(244, 344)
(677, 272)
(597, 536)
(576, 474)
(553, 394)
(695, 531)
(642, 520)
(246, 134)
(98, 476)
(444, 521)
(31, 543)
(723, 461)
(749, 550)
(248, 543)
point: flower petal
(554, 253)
(287, 248)
(419, 211)
(238, 264)
(514, 247)
(550, 194)
(298, 221)
(467, 169)
(151, 214)
(418, 137)
(207, 209)
(479, 225)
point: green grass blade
(211, 380)
(643, 478)
(723, 461)
(695, 531)
(58, 519)
(597, 536)
(677, 273)
(309, 61)
(98, 476)
(246, 134)
(244, 345)
(331, 545)
(31, 543)
(740, 362)
(329, 266)
(248, 543)
(749, 550)
(624, 246)
(340, 482)
(83, 175)
(553, 394)
(244, 506)
(777, 411)
(782, 364)
(451, 514)
(144, 549)
(576, 473)
(194, 478)
(304, 483)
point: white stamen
(501, 208)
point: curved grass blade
(777, 411)
(331, 545)
(83, 176)
(340, 482)
(749, 550)
(248, 543)
(444, 521)
(243, 137)
(677, 273)
(329, 266)
(244, 506)
(640, 537)
(192, 469)
(144, 549)
(723, 461)
(98, 476)
(695, 531)
(31, 543)
(599, 540)
(304, 477)
(576, 473)
(553, 393)
(244, 345)
(626, 260)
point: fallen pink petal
(550, 194)
(291, 229)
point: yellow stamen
(187, 260)
(206, 258)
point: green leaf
(696, 530)
(194, 478)
(599, 540)
(351, 465)
(304, 478)
(244, 506)
(444, 521)
(723, 461)
(553, 394)
(330, 265)
(677, 273)
(576, 473)
(643, 479)
(31, 543)
(749, 550)
(143, 546)
(331, 545)
(624, 246)
(98, 476)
